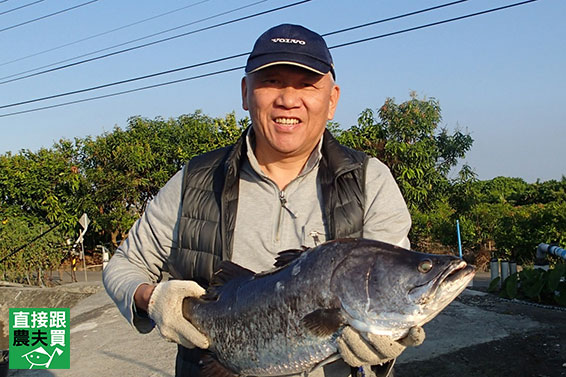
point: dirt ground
(535, 353)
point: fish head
(386, 290)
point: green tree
(42, 183)
(522, 228)
(38, 190)
(126, 168)
(27, 265)
(545, 192)
(504, 190)
(407, 138)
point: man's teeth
(286, 121)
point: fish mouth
(451, 281)
(455, 273)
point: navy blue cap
(291, 44)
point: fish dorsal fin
(323, 322)
(225, 272)
(212, 368)
(287, 256)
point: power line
(216, 60)
(101, 34)
(146, 44)
(394, 17)
(241, 67)
(435, 23)
(20, 7)
(48, 15)
(29, 243)
(127, 91)
(125, 81)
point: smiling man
(289, 107)
(286, 184)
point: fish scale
(266, 349)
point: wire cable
(216, 60)
(20, 7)
(125, 81)
(127, 91)
(48, 15)
(103, 33)
(394, 17)
(434, 23)
(168, 30)
(146, 44)
(241, 67)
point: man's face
(289, 107)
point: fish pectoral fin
(211, 367)
(287, 256)
(323, 322)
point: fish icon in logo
(39, 357)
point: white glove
(165, 308)
(376, 349)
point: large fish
(287, 320)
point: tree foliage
(511, 214)
(37, 192)
(17, 228)
(112, 177)
(42, 183)
(407, 138)
(126, 168)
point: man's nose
(289, 97)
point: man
(285, 184)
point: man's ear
(334, 97)
(245, 93)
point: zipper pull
(283, 201)
(282, 198)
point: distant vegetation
(112, 177)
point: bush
(538, 285)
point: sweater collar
(312, 161)
(328, 149)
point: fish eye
(425, 266)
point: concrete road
(104, 344)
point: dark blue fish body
(287, 320)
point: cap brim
(288, 63)
(256, 63)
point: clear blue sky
(500, 76)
